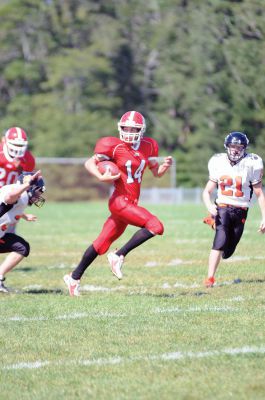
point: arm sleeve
(257, 170)
(29, 163)
(152, 159)
(212, 164)
(105, 147)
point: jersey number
(138, 173)
(7, 178)
(227, 182)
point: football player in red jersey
(132, 153)
(14, 156)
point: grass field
(157, 334)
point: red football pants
(125, 212)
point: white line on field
(174, 356)
(237, 298)
(172, 263)
(195, 309)
(188, 241)
(136, 289)
(94, 288)
(106, 314)
(243, 258)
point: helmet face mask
(37, 187)
(235, 152)
(236, 144)
(35, 196)
(131, 127)
(16, 142)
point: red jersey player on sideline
(132, 153)
(14, 156)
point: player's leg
(17, 248)
(116, 259)
(111, 230)
(11, 260)
(214, 260)
(149, 223)
(141, 236)
(131, 214)
(239, 217)
(88, 257)
(219, 243)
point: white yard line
(93, 288)
(195, 309)
(106, 314)
(237, 299)
(243, 258)
(188, 241)
(173, 356)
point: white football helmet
(15, 142)
(135, 120)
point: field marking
(196, 309)
(172, 263)
(140, 289)
(243, 258)
(165, 285)
(173, 356)
(106, 314)
(237, 298)
(94, 288)
(188, 241)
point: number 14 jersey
(131, 162)
(235, 181)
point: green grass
(157, 334)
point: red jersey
(10, 169)
(131, 162)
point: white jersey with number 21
(235, 181)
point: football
(104, 165)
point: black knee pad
(22, 247)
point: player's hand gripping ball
(103, 166)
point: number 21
(227, 181)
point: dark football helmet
(37, 187)
(236, 144)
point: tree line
(70, 68)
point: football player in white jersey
(13, 201)
(236, 175)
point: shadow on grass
(238, 281)
(170, 295)
(23, 269)
(164, 295)
(43, 291)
